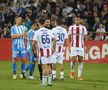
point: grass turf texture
(95, 78)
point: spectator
(65, 10)
(7, 32)
(100, 32)
(27, 21)
(1, 32)
(95, 26)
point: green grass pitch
(95, 78)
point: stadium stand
(92, 12)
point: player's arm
(66, 39)
(54, 44)
(34, 44)
(13, 35)
(25, 32)
(34, 47)
(66, 42)
(17, 35)
(86, 40)
(69, 38)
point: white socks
(80, 67)
(54, 74)
(62, 75)
(44, 80)
(50, 79)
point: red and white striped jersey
(44, 36)
(77, 35)
(60, 34)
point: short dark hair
(33, 23)
(59, 22)
(41, 21)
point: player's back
(60, 34)
(44, 36)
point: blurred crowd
(93, 13)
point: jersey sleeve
(12, 31)
(85, 31)
(52, 34)
(69, 30)
(66, 34)
(32, 35)
(53, 31)
(35, 36)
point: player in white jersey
(61, 36)
(18, 46)
(77, 34)
(47, 25)
(44, 39)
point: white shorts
(57, 58)
(77, 51)
(45, 60)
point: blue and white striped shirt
(30, 36)
(18, 43)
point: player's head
(41, 22)
(77, 20)
(47, 22)
(18, 20)
(59, 22)
(34, 25)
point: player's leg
(60, 61)
(22, 56)
(40, 67)
(44, 77)
(80, 67)
(31, 70)
(49, 63)
(73, 59)
(44, 71)
(14, 67)
(54, 59)
(40, 70)
(72, 66)
(30, 59)
(32, 67)
(61, 72)
(49, 75)
(54, 71)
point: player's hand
(25, 34)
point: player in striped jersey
(47, 25)
(31, 56)
(77, 34)
(44, 39)
(18, 46)
(61, 36)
